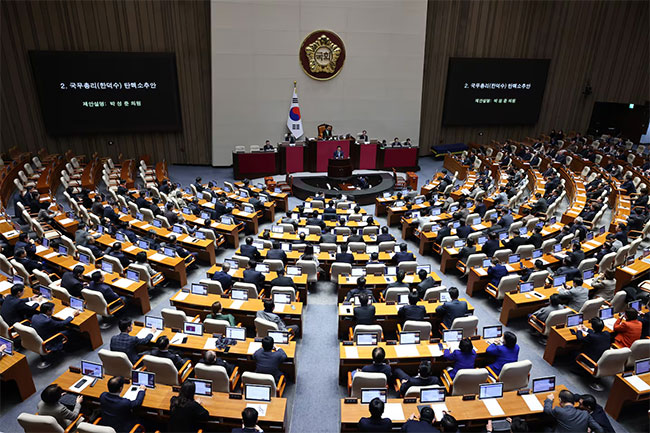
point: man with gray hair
(223, 276)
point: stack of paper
(181, 296)
(50, 255)
(177, 338)
(5, 285)
(259, 407)
(533, 402)
(235, 305)
(65, 313)
(254, 346)
(157, 257)
(438, 409)
(407, 350)
(493, 406)
(40, 248)
(146, 331)
(394, 411)
(351, 352)
(65, 221)
(131, 393)
(638, 383)
(130, 248)
(123, 283)
(210, 344)
(435, 350)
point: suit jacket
(379, 368)
(506, 221)
(425, 284)
(337, 154)
(344, 258)
(480, 209)
(283, 282)
(357, 292)
(172, 356)
(187, 418)
(515, 243)
(269, 362)
(490, 246)
(461, 360)
(62, 414)
(277, 255)
(255, 277)
(418, 426)
(465, 252)
(364, 315)
(570, 419)
(15, 309)
(502, 355)
(123, 342)
(576, 296)
(543, 313)
(328, 238)
(375, 425)
(463, 231)
(442, 233)
(418, 381)
(117, 411)
(403, 256)
(45, 326)
(71, 284)
(106, 291)
(595, 343)
(496, 272)
(385, 237)
(124, 260)
(412, 312)
(451, 310)
(224, 278)
(249, 251)
(536, 240)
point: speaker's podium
(339, 168)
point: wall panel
(176, 26)
(603, 42)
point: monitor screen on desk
(557, 248)
(279, 337)
(199, 289)
(9, 345)
(490, 390)
(191, 328)
(84, 258)
(236, 333)
(481, 240)
(635, 305)
(92, 369)
(366, 339)
(459, 243)
(205, 215)
(202, 387)
(139, 216)
(157, 224)
(143, 244)
(45, 292)
(503, 236)
(526, 287)
(257, 392)
(281, 298)
(368, 394)
(573, 320)
(358, 272)
(445, 297)
(487, 263)
(513, 258)
(559, 280)
(409, 338)
(239, 294)
(263, 268)
(606, 313)
(544, 384)
(199, 235)
(152, 321)
(63, 250)
(234, 264)
(490, 332)
(435, 211)
(642, 366)
(587, 274)
(452, 335)
(77, 303)
(169, 252)
(133, 275)
(403, 299)
(432, 395)
(523, 231)
(145, 378)
(120, 237)
(294, 271)
(107, 267)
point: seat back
(38, 423)
(309, 268)
(621, 254)
(357, 247)
(263, 326)
(284, 290)
(60, 293)
(214, 287)
(547, 245)
(587, 264)
(557, 317)
(363, 380)
(252, 288)
(590, 308)
(95, 302)
(514, 227)
(448, 242)
(538, 278)
(606, 261)
(619, 301)
(164, 368)
(72, 249)
(42, 277)
(414, 391)
(375, 269)
(525, 251)
(433, 293)
(639, 350)
(242, 261)
(515, 375)
(409, 267)
(115, 363)
(215, 373)
(248, 377)
(4, 328)
(387, 246)
(29, 338)
(393, 293)
(88, 252)
(509, 283)
(20, 269)
(117, 265)
(339, 268)
(468, 324)
(421, 326)
(6, 267)
(502, 254)
(173, 318)
(274, 265)
(612, 362)
(215, 326)
(467, 381)
(368, 328)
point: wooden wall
(176, 26)
(601, 42)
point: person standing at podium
(338, 153)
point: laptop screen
(503, 235)
(202, 387)
(234, 264)
(107, 267)
(606, 313)
(294, 271)
(432, 395)
(198, 289)
(236, 333)
(452, 335)
(152, 321)
(492, 332)
(368, 394)
(17, 279)
(46, 242)
(9, 346)
(481, 240)
(281, 298)
(169, 252)
(84, 258)
(403, 299)
(192, 328)
(544, 384)
(526, 287)
(143, 244)
(358, 272)
(63, 250)
(523, 231)
(132, 275)
(588, 274)
(366, 339)
(409, 338)
(143, 378)
(635, 305)
(445, 297)
(239, 294)
(45, 292)
(514, 258)
(642, 366)
(77, 303)
(459, 243)
(487, 263)
(537, 254)
(199, 235)
(490, 390)
(574, 320)
(557, 248)
(257, 392)
(262, 267)
(279, 337)
(120, 237)
(92, 369)
(559, 280)
(157, 223)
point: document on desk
(435, 350)
(351, 352)
(40, 248)
(480, 272)
(279, 308)
(259, 407)
(177, 338)
(130, 248)
(609, 323)
(236, 305)
(453, 345)
(629, 269)
(510, 268)
(389, 279)
(146, 331)
(50, 255)
(407, 350)
(10, 234)
(394, 411)
(157, 257)
(343, 309)
(181, 296)
(409, 279)
(131, 393)
(81, 384)
(438, 409)
(210, 344)
(65, 221)
(65, 313)
(533, 402)
(493, 406)
(5, 285)
(637, 383)
(145, 226)
(123, 283)
(254, 346)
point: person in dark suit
(452, 309)
(443, 233)
(268, 361)
(71, 281)
(338, 153)
(117, 412)
(540, 206)
(423, 424)
(14, 308)
(515, 243)
(576, 254)
(403, 255)
(186, 414)
(426, 282)
(223, 276)
(45, 326)
(123, 342)
(29, 264)
(249, 250)
(384, 236)
(359, 290)
(364, 314)
(315, 221)
(467, 250)
(536, 239)
(249, 422)
(396, 143)
(596, 341)
(480, 208)
(568, 417)
(253, 276)
(277, 253)
(375, 423)
(327, 133)
(424, 377)
(463, 231)
(171, 216)
(491, 245)
(412, 311)
(162, 350)
(506, 219)
(344, 256)
(116, 251)
(282, 280)
(363, 136)
(24, 243)
(588, 403)
(356, 237)
(379, 364)
(98, 285)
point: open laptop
(573, 320)
(77, 303)
(281, 298)
(544, 384)
(432, 395)
(9, 346)
(452, 338)
(236, 333)
(408, 337)
(642, 366)
(294, 271)
(257, 392)
(279, 337)
(490, 390)
(139, 377)
(191, 328)
(368, 394)
(132, 275)
(239, 294)
(198, 289)
(492, 332)
(202, 387)
(92, 369)
(366, 339)
(152, 321)
(559, 280)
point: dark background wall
(604, 43)
(176, 26)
